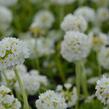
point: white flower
(7, 100)
(12, 52)
(43, 19)
(76, 46)
(4, 90)
(99, 39)
(102, 90)
(102, 14)
(40, 78)
(32, 82)
(44, 46)
(92, 80)
(50, 100)
(76, 23)
(73, 98)
(5, 18)
(8, 2)
(62, 2)
(87, 12)
(9, 77)
(103, 57)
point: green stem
(26, 105)
(84, 81)
(6, 79)
(60, 68)
(78, 76)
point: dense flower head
(87, 12)
(51, 100)
(76, 46)
(76, 23)
(102, 90)
(12, 52)
(8, 2)
(5, 18)
(62, 2)
(32, 82)
(43, 19)
(7, 100)
(99, 39)
(102, 14)
(103, 57)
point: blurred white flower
(43, 19)
(51, 100)
(32, 82)
(69, 94)
(73, 98)
(99, 39)
(44, 46)
(92, 80)
(102, 15)
(12, 52)
(62, 2)
(8, 2)
(102, 90)
(74, 23)
(87, 12)
(103, 57)
(7, 100)
(5, 18)
(76, 46)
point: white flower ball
(102, 14)
(102, 90)
(43, 19)
(7, 100)
(51, 100)
(12, 52)
(8, 2)
(76, 46)
(5, 18)
(103, 57)
(76, 23)
(31, 84)
(99, 40)
(62, 2)
(87, 12)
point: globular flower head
(99, 39)
(103, 57)
(74, 23)
(87, 12)
(43, 20)
(76, 46)
(7, 100)
(12, 52)
(51, 100)
(102, 90)
(102, 15)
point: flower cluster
(76, 46)
(51, 100)
(7, 100)
(102, 90)
(12, 52)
